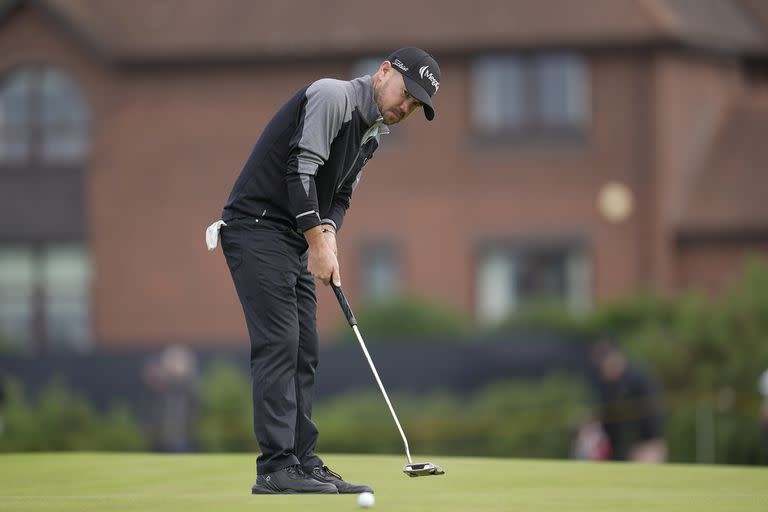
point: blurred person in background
(278, 232)
(628, 406)
(172, 377)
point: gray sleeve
(326, 111)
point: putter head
(422, 469)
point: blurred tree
(226, 421)
(62, 420)
(407, 319)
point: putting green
(87, 482)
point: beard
(392, 117)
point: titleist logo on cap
(399, 64)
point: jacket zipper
(357, 157)
(346, 175)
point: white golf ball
(365, 499)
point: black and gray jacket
(308, 161)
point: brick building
(582, 151)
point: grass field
(86, 482)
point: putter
(410, 469)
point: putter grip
(344, 305)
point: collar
(376, 129)
(363, 87)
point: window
(65, 282)
(530, 96)
(44, 285)
(380, 272)
(44, 297)
(43, 119)
(512, 276)
(17, 289)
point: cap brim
(418, 92)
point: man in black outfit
(629, 406)
(278, 232)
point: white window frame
(45, 121)
(497, 294)
(57, 313)
(509, 95)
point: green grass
(87, 482)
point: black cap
(421, 75)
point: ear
(385, 67)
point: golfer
(278, 232)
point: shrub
(523, 418)
(62, 420)
(519, 418)
(545, 317)
(701, 349)
(705, 350)
(226, 423)
(408, 318)
(7, 345)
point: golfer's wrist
(315, 237)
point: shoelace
(297, 469)
(326, 469)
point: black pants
(268, 263)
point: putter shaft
(353, 323)
(381, 387)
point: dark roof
(145, 30)
(729, 192)
(717, 24)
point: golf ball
(365, 499)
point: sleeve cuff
(307, 220)
(330, 221)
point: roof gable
(729, 193)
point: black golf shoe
(291, 480)
(325, 475)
